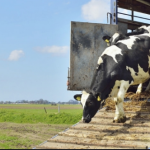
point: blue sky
(35, 45)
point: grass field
(26, 126)
(69, 114)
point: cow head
(114, 39)
(90, 103)
(107, 40)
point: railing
(133, 16)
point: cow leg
(139, 89)
(120, 114)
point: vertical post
(68, 82)
(58, 108)
(114, 12)
(132, 13)
(45, 110)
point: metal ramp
(101, 133)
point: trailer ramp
(102, 133)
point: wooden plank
(129, 137)
(127, 112)
(137, 115)
(85, 134)
(111, 114)
(93, 127)
(103, 143)
(108, 135)
(53, 145)
(101, 120)
(128, 118)
(108, 128)
(128, 123)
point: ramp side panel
(86, 47)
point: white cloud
(15, 55)
(53, 49)
(96, 10)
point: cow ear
(98, 99)
(78, 97)
(106, 38)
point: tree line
(40, 101)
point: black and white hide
(118, 36)
(123, 64)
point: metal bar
(124, 14)
(110, 17)
(130, 22)
(117, 11)
(111, 131)
(113, 11)
(141, 1)
(64, 131)
(40, 145)
(132, 11)
(54, 137)
(75, 124)
(142, 17)
(133, 16)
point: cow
(121, 65)
(118, 36)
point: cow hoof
(121, 120)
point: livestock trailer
(86, 39)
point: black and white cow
(118, 36)
(125, 63)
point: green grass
(8, 144)
(26, 126)
(23, 117)
(7, 140)
(33, 116)
(26, 136)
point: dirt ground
(138, 102)
(26, 136)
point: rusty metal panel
(86, 47)
(122, 27)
